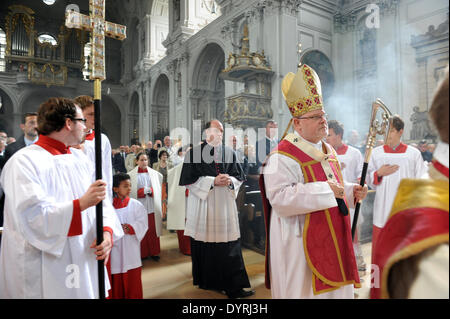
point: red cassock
(150, 244)
(184, 242)
(327, 233)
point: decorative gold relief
(48, 74)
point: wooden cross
(96, 24)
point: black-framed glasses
(316, 117)
(77, 119)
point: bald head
(214, 132)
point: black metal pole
(99, 206)
(358, 205)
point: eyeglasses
(76, 119)
(316, 118)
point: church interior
(186, 62)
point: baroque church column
(280, 27)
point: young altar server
(86, 103)
(50, 227)
(126, 262)
(388, 165)
(146, 187)
(351, 163)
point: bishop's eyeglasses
(315, 118)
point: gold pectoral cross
(96, 24)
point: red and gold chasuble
(327, 236)
(418, 221)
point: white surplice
(126, 252)
(211, 214)
(37, 258)
(176, 202)
(411, 165)
(291, 199)
(89, 150)
(152, 204)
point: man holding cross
(49, 245)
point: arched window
(2, 50)
(87, 56)
(45, 37)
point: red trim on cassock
(187, 192)
(377, 179)
(404, 229)
(142, 170)
(140, 193)
(440, 167)
(109, 230)
(90, 136)
(150, 244)
(120, 203)
(401, 148)
(76, 225)
(184, 243)
(342, 149)
(52, 146)
(131, 230)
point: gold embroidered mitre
(302, 91)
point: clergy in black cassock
(213, 177)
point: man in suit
(118, 161)
(266, 145)
(30, 135)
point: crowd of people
(309, 183)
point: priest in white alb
(309, 251)
(49, 246)
(213, 176)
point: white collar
(316, 145)
(29, 142)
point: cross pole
(96, 24)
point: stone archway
(111, 121)
(32, 101)
(160, 108)
(208, 89)
(133, 118)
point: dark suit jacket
(260, 158)
(14, 147)
(118, 163)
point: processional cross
(96, 24)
